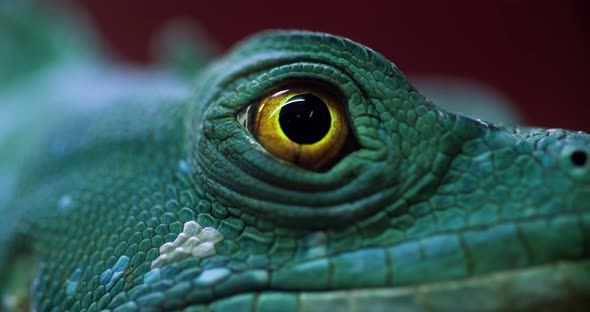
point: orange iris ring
(270, 134)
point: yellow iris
(304, 125)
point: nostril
(579, 158)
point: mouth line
(448, 256)
(511, 262)
(563, 286)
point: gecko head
(338, 178)
(307, 173)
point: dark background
(535, 52)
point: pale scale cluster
(193, 241)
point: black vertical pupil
(305, 119)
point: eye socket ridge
(303, 123)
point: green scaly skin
(432, 211)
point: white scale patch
(193, 241)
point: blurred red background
(532, 51)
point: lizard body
(167, 200)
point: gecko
(300, 171)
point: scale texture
(140, 190)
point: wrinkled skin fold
(431, 211)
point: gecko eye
(305, 125)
